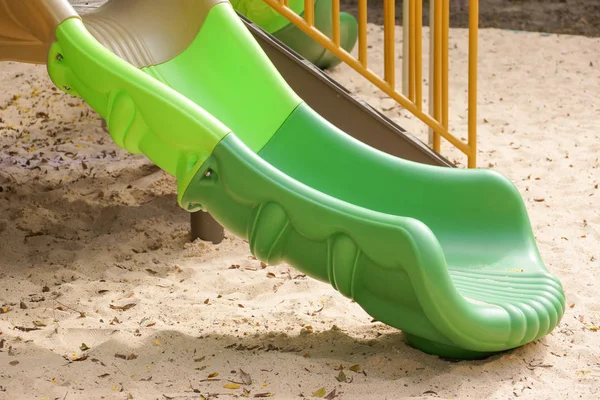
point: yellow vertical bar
(362, 32)
(335, 21)
(445, 63)
(412, 49)
(437, 73)
(419, 54)
(389, 25)
(405, 47)
(473, 35)
(309, 12)
(431, 94)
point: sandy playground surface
(102, 296)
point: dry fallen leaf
(213, 374)
(319, 392)
(270, 275)
(84, 347)
(246, 378)
(354, 368)
(331, 395)
(341, 377)
(263, 395)
(126, 357)
(594, 328)
(232, 386)
(39, 323)
(123, 308)
(82, 357)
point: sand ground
(103, 297)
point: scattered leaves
(213, 375)
(270, 275)
(355, 368)
(22, 305)
(39, 323)
(319, 392)
(263, 395)
(4, 310)
(84, 347)
(331, 395)
(341, 377)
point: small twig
(119, 369)
(66, 394)
(81, 313)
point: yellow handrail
(413, 102)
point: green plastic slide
(274, 23)
(446, 255)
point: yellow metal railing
(411, 97)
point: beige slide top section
(142, 32)
(27, 28)
(148, 32)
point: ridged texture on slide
(393, 266)
(119, 40)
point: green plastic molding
(393, 266)
(143, 115)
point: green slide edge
(141, 112)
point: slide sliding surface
(445, 254)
